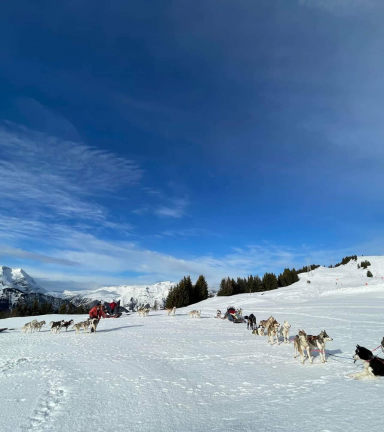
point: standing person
(113, 306)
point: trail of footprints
(49, 404)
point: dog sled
(233, 316)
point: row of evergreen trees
(185, 293)
(24, 309)
(252, 284)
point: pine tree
(269, 281)
(35, 308)
(201, 288)
(226, 287)
(63, 309)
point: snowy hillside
(141, 294)
(19, 279)
(162, 373)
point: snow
(142, 294)
(177, 373)
(18, 278)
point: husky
(300, 344)
(251, 321)
(266, 323)
(171, 311)
(195, 314)
(272, 332)
(56, 326)
(218, 314)
(373, 366)
(27, 327)
(82, 325)
(318, 342)
(284, 331)
(93, 322)
(143, 312)
(39, 325)
(66, 324)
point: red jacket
(112, 305)
(96, 313)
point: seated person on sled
(98, 312)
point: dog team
(56, 326)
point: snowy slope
(163, 373)
(19, 279)
(142, 294)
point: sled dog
(195, 314)
(251, 322)
(93, 322)
(318, 342)
(239, 312)
(272, 332)
(39, 325)
(28, 327)
(284, 331)
(266, 323)
(82, 325)
(373, 366)
(218, 313)
(171, 311)
(56, 326)
(143, 312)
(66, 324)
(300, 344)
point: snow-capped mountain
(19, 279)
(127, 294)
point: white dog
(171, 311)
(284, 331)
(195, 314)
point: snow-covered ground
(176, 373)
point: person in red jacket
(113, 306)
(97, 312)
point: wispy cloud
(175, 209)
(45, 177)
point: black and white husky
(318, 342)
(93, 322)
(56, 326)
(373, 366)
(66, 324)
(251, 322)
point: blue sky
(144, 141)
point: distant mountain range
(16, 285)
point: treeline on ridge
(32, 309)
(252, 284)
(185, 293)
